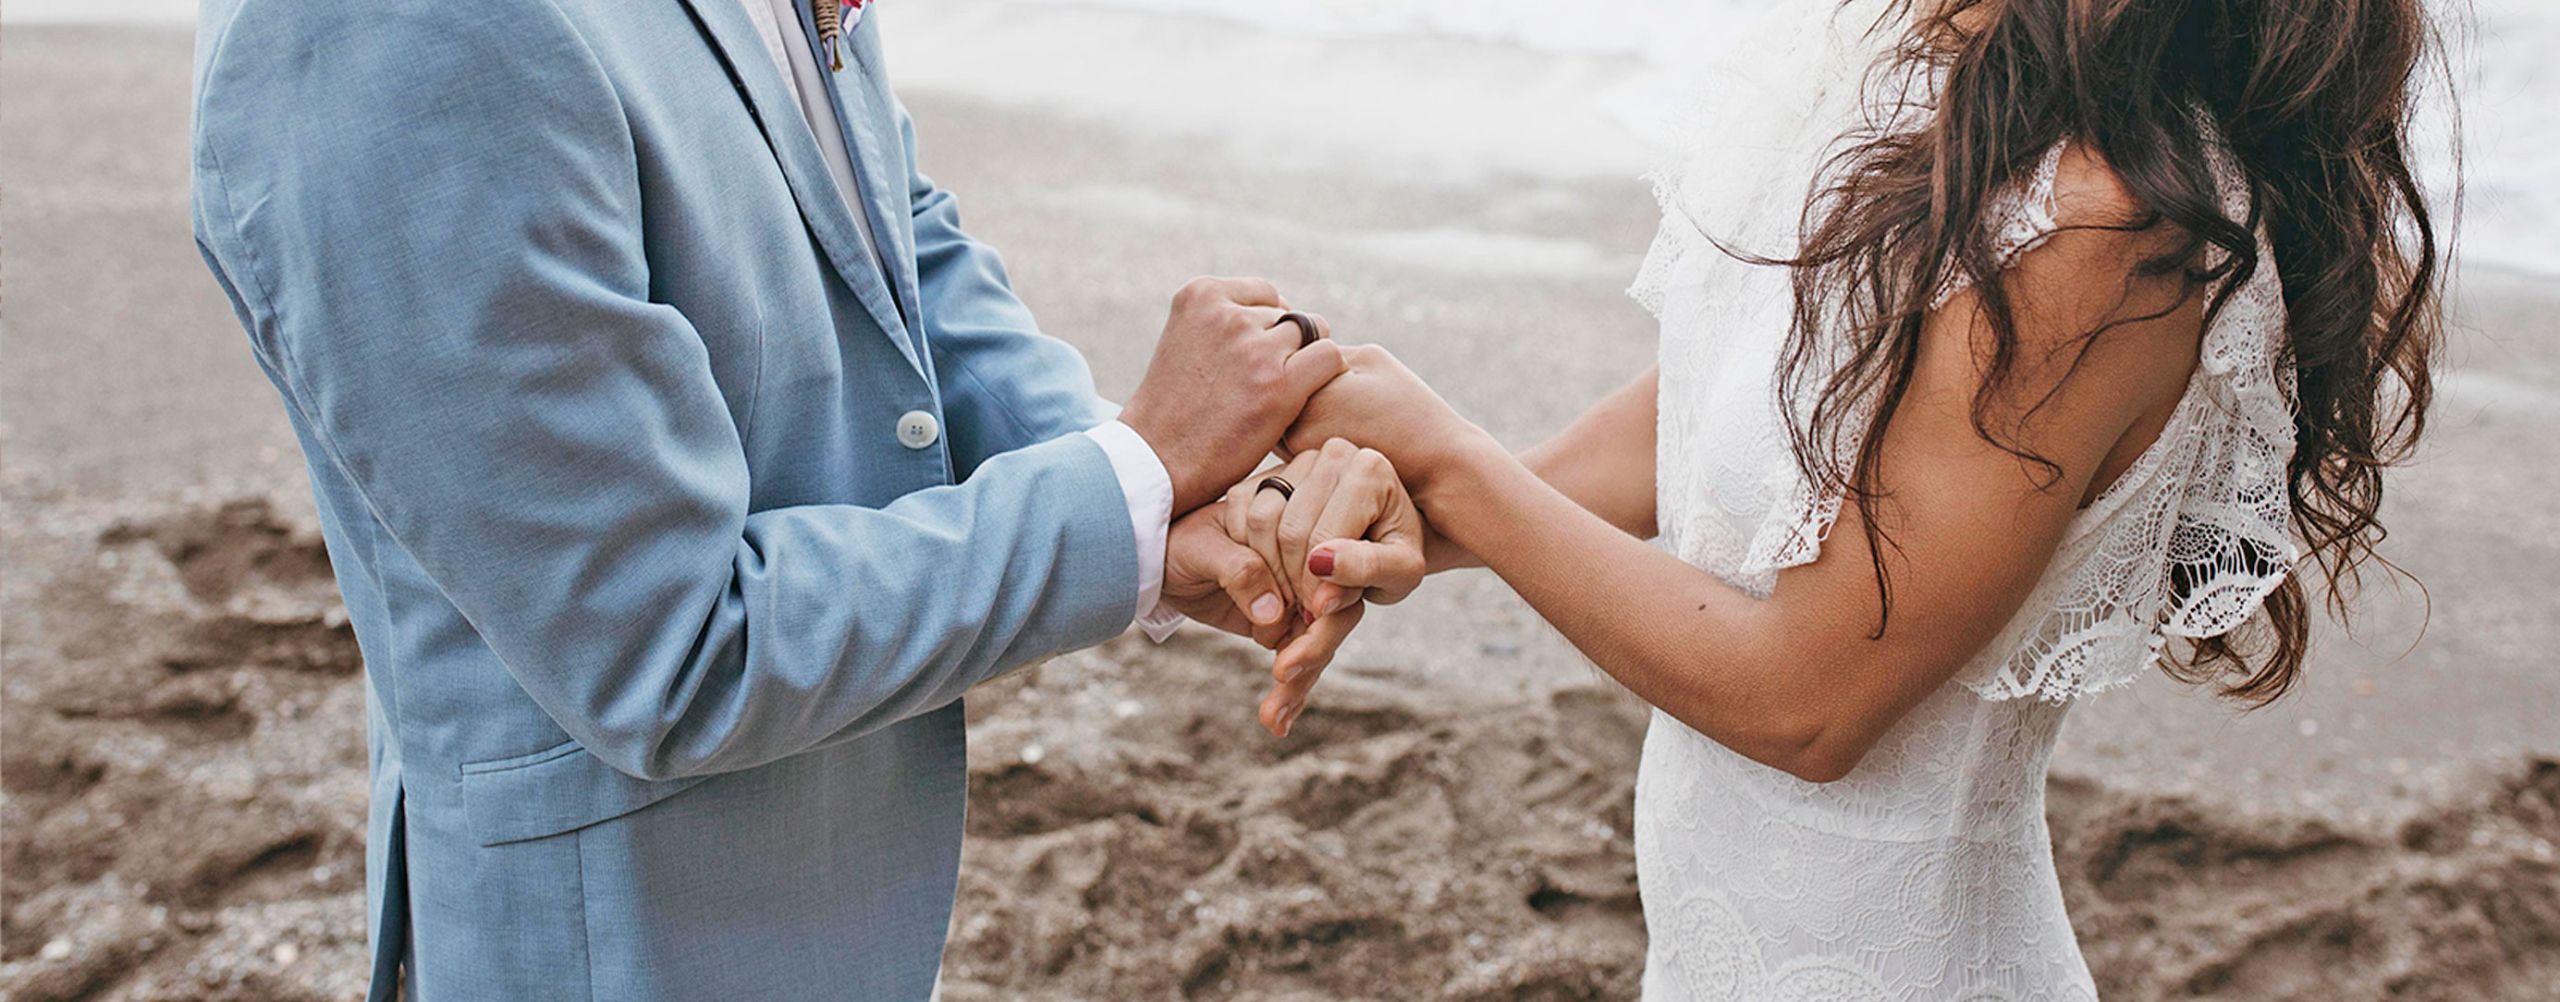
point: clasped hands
(1290, 562)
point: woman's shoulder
(2091, 295)
(2071, 218)
(2077, 194)
(2098, 254)
(2086, 191)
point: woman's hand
(1343, 531)
(1382, 405)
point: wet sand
(184, 769)
(182, 712)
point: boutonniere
(833, 17)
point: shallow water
(2509, 140)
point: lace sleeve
(2189, 542)
(2186, 544)
(2024, 221)
(1791, 533)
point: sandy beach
(181, 713)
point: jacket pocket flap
(560, 789)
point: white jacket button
(918, 429)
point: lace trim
(1826, 53)
(2187, 544)
(2026, 222)
(1673, 242)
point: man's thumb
(1309, 368)
(1248, 583)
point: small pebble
(1032, 754)
(55, 949)
(286, 954)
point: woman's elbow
(1812, 747)
(1818, 752)
(1824, 762)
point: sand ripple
(184, 818)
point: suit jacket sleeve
(432, 234)
(1005, 384)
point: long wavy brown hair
(2313, 99)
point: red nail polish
(1320, 563)
(1307, 614)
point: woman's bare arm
(1603, 461)
(1805, 680)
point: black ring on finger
(1306, 326)
(1275, 483)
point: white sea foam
(98, 11)
(2502, 66)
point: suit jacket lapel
(796, 148)
(861, 109)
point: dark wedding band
(1306, 326)
(1276, 484)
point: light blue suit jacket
(665, 630)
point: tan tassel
(830, 17)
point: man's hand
(1218, 581)
(1227, 378)
(1223, 583)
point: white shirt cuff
(1149, 491)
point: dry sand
(181, 717)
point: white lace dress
(1926, 874)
